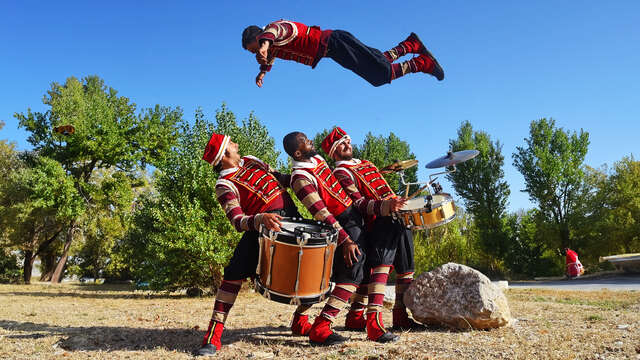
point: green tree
(452, 242)
(623, 222)
(109, 135)
(35, 202)
(552, 166)
(103, 226)
(8, 157)
(610, 211)
(529, 254)
(181, 236)
(480, 182)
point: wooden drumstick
(417, 192)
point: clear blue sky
(506, 63)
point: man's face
(232, 153)
(253, 46)
(305, 147)
(343, 151)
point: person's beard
(309, 154)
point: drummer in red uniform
(389, 243)
(290, 40)
(251, 194)
(321, 193)
(574, 266)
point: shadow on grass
(98, 295)
(106, 338)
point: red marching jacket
(295, 41)
(369, 181)
(329, 189)
(258, 189)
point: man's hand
(263, 53)
(259, 78)
(350, 251)
(271, 221)
(397, 203)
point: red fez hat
(215, 149)
(331, 142)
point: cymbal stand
(437, 188)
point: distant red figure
(574, 266)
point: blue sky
(506, 63)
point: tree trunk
(27, 266)
(58, 272)
(564, 236)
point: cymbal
(453, 158)
(399, 165)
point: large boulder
(457, 296)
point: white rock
(458, 296)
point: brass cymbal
(452, 158)
(399, 166)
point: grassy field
(73, 321)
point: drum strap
(296, 299)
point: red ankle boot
(321, 333)
(402, 322)
(211, 342)
(355, 320)
(428, 64)
(413, 44)
(376, 330)
(300, 325)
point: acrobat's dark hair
(249, 34)
(290, 142)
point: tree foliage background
(127, 195)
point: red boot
(413, 44)
(355, 320)
(402, 322)
(211, 342)
(321, 333)
(300, 325)
(376, 330)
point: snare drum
(416, 216)
(294, 265)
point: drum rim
(448, 199)
(313, 240)
(431, 226)
(312, 299)
(318, 243)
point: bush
(10, 271)
(453, 242)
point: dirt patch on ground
(78, 321)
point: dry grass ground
(73, 321)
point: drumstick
(417, 192)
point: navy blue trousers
(369, 63)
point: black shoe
(332, 339)
(412, 326)
(437, 71)
(388, 337)
(207, 350)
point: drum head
(317, 232)
(420, 202)
(415, 203)
(441, 199)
